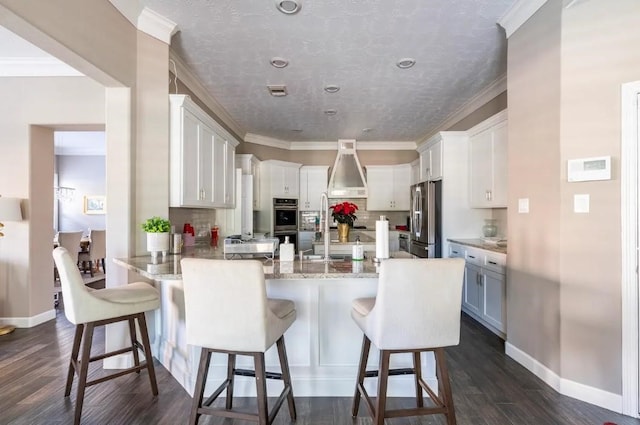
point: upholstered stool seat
(417, 309)
(87, 308)
(227, 311)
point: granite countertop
(479, 243)
(168, 268)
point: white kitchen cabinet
(484, 286)
(389, 187)
(431, 160)
(313, 181)
(281, 178)
(250, 165)
(201, 166)
(415, 171)
(488, 163)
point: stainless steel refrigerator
(425, 220)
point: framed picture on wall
(94, 204)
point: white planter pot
(158, 242)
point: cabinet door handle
(490, 195)
(492, 262)
(471, 256)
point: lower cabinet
(484, 288)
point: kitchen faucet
(324, 215)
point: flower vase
(158, 242)
(343, 232)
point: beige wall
(489, 109)
(565, 68)
(595, 62)
(27, 172)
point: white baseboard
(564, 386)
(29, 322)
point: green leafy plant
(156, 225)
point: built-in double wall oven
(285, 219)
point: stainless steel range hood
(347, 177)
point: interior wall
(87, 175)
(533, 262)
(35, 101)
(489, 109)
(599, 54)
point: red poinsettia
(344, 212)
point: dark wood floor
(488, 388)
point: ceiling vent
(347, 178)
(278, 91)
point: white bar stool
(417, 309)
(87, 308)
(227, 311)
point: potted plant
(157, 235)
(344, 214)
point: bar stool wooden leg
(383, 378)
(261, 387)
(144, 334)
(231, 365)
(286, 376)
(73, 362)
(132, 336)
(198, 392)
(417, 368)
(444, 385)
(362, 368)
(84, 369)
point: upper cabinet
(280, 179)
(488, 163)
(389, 187)
(202, 158)
(430, 160)
(313, 181)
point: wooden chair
(97, 251)
(417, 309)
(87, 308)
(227, 311)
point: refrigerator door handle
(431, 213)
(417, 213)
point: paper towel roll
(382, 239)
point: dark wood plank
(488, 389)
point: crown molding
(156, 25)
(488, 123)
(36, 67)
(480, 99)
(189, 79)
(518, 14)
(326, 146)
(266, 141)
(130, 9)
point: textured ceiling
(458, 47)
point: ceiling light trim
(278, 62)
(331, 88)
(518, 14)
(406, 63)
(280, 5)
(156, 25)
(277, 90)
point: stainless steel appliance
(403, 242)
(425, 220)
(285, 219)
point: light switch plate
(523, 205)
(581, 203)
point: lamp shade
(10, 209)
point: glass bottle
(489, 229)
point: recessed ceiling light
(367, 130)
(277, 91)
(332, 88)
(330, 112)
(296, 130)
(288, 7)
(405, 63)
(279, 62)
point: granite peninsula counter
(323, 344)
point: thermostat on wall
(589, 169)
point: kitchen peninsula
(323, 345)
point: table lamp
(9, 211)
